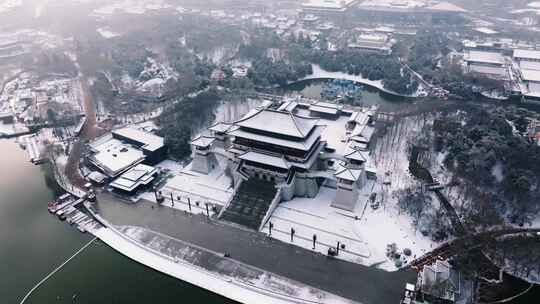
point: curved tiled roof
(279, 122)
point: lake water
(33, 243)
(312, 88)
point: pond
(312, 88)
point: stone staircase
(250, 203)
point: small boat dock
(65, 209)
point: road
(349, 280)
(88, 132)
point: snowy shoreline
(227, 286)
(320, 73)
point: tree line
(489, 149)
(178, 125)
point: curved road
(89, 132)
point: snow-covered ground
(365, 232)
(262, 288)
(215, 188)
(152, 81)
(232, 110)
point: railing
(230, 199)
(273, 205)
(290, 177)
(197, 197)
(64, 183)
(267, 171)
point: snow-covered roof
(134, 177)
(362, 133)
(361, 117)
(279, 122)
(303, 145)
(220, 127)
(372, 38)
(265, 159)
(371, 45)
(440, 280)
(486, 30)
(203, 141)
(355, 154)
(447, 7)
(113, 156)
(385, 29)
(527, 54)
(150, 141)
(328, 4)
(329, 105)
(288, 106)
(97, 177)
(534, 90)
(530, 65)
(410, 5)
(6, 114)
(320, 109)
(531, 75)
(348, 174)
(485, 57)
(482, 69)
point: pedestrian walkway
(353, 281)
(351, 249)
(271, 288)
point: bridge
(466, 243)
(466, 240)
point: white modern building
(527, 55)
(139, 176)
(123, 149)
(529, 64)
(490, 64)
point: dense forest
(277, 61)
(272, 63)
(178, 124)
(491, 151)
(371, 66)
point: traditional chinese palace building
(286, 155)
